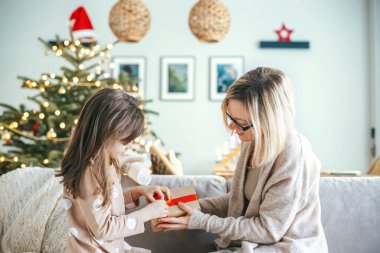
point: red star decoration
(284, 33)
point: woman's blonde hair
(267, 95)
(109, 115)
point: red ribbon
(183, 199)
(175, 201)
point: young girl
(93, 197)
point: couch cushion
(351, 213)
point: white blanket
(32, 217)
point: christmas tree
(38, 137)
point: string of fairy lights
(76, 53)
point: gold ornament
(61, 90)
(209, 20)
(6, 137)
(51, 134)
(13, 125)
(129, 20)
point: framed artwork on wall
(129, 71)
(177, 78)
(223, 72)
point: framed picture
(223, 72)
(177, 78)
(129, 71)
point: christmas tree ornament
(129, 20)
(51, 134)
(35, 129)
(62, 90)
(284, 40)
(82, 29)
(6, 137)
(13, 125)
(209, 20)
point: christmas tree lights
(39, 136)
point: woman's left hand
(176, 223)
(151, 191)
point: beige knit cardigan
(284, 213)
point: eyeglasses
(242, 128)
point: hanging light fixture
(129, 20)
(209, 20)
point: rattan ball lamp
(129, 20)
(209, 20)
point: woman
(273, 205)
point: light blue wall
(374, 55)
(330, 80)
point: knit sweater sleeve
(282, 200)
(215, 205)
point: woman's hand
(150, 191)
(176, 223)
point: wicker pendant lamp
(129, 20)
(209, 20)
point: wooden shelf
(280, 44)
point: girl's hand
(176, 223)
(151, 190)
(154, 210)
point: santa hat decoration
(81, 25)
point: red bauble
(35, 128)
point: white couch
(350, 214)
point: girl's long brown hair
(109, 115)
